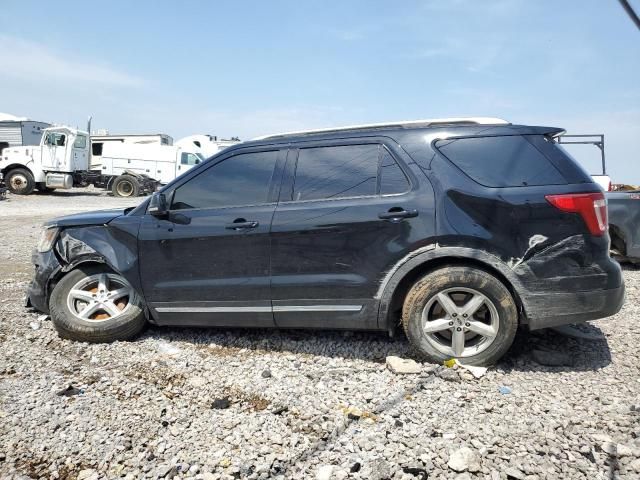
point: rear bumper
(554, 309)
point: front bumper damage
(47, 267)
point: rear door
(348, 210)
(208, 263)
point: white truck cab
(62, 152)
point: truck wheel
(460, 312)
(125, 186)
(20, 181)
(93, 304)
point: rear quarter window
(508, 161)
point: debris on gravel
(402, 365)
(143, 408)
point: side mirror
(158, 205)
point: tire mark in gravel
(319, 446)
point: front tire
(20, 181)
(460, 312)
(93, 304)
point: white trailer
(125, 163)
(207, 145)
(98, 143)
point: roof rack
(401, 124)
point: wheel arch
(13, 166)
(396, 285)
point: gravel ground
(208, 404)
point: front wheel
(20, 181)
(92, 304)
(460, 312)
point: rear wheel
(125, 186)
(93, 304)
(460, 312)
(20, 181)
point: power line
(629, 9)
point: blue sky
(253, 67)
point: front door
(207, 263)
(347, 214)
(54, 151)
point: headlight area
(48, 237)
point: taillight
(592, 207)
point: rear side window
(336, 172)
(509, 161)
(392, 179)
(239, 180)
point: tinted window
(509, 161)
(240, 180)
(96, 149)
(189, 159)
(392, 179)
(336, 172)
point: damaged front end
(108, 238)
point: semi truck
(63, 160)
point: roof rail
(401, 124)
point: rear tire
(460, 312)
(125, 186)
(20, 181)
(115, 314)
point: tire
(436, 331)
(20, 181)
(125, 186)
(100, 326)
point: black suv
(460, 230)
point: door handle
(241, 224)
(398, 213)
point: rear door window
(336, 172)
(508, 161)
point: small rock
(221, 403)
(87, 474)
(505, 390)
(70, 391)
(43, 318)
(34, 325)
(355, 467)
(266, 373)
(324, 472)
(403, 365)
(464, 459)
(3, 456)
(514, 474)
(463, 476)
(448, 374)
(168, 349)
(551, 359)
(618, 450)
